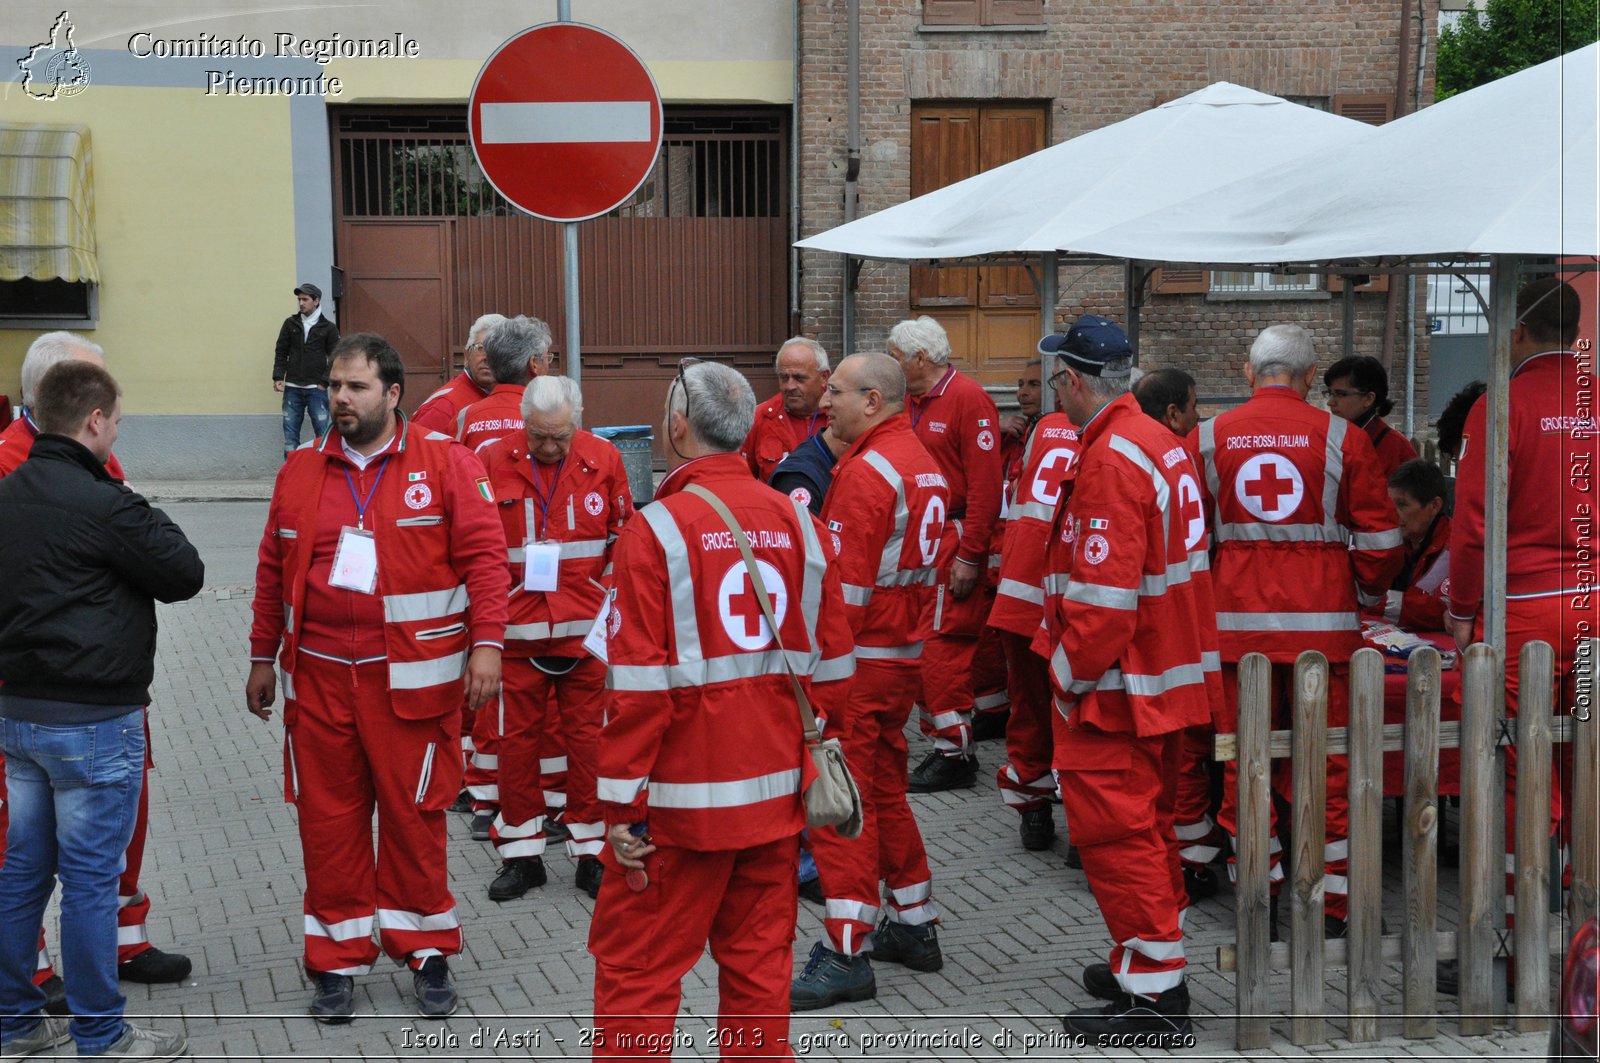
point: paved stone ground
(225, 870)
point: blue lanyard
(538, 492)
(361, 506)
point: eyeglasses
(1056, 377)
(1342, 393)
(680, 381)
(834, 392)
(474, 346)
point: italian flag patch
(485, 490)
(413, 477)
(983, 422)
(1096, 524)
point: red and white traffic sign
(565, 121)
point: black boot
(1199, 883)
(517, 877)
(1167, 1016)
(1038, 829)
(591, 873)
(938, 772)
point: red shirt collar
(704, 470)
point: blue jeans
(73, 795)
(297, 402)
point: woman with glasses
(1357, 389)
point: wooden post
(1482, 861)
(1252, 895)
(1532, 934)
(1585, 785)
(1310, 774)
(1365, 873)
(1419, 867)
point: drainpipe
(852, 171)
(1391, 308)
(794, 186)
(1411, 279)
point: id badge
(595, 640)
(541, 566)
(355, 562)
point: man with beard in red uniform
(1550, 508)
(1305, 535)
(439, 411)
(702, 760)
(886, 511)
(1133, 662)
(137, 959)
(1048, 463)
(515, 351)
(791, 416)
(382, 574)
(957, 422)
(563, 497)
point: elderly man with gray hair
(439, 411)
(49, 349)
(791, 416)
(564, 498)
(515, 351)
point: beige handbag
(832, 799)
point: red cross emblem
(1269, 487)
(1054, 470)
(740, 609)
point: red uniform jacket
(1049, 462)
(495, 417)
(441, 571)
(885, 511)
(1304, 529)
(1550, 489)
(702, 735)
(1417, 600)
(774, 434)
(958, 423)
(439, 411)
(1131, 637)
(16, 443)
(582, 503)
(1393, 449)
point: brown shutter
(1371, 108)
(1005, 135)
(944, 150)
(1013, 13)
(952, 12)
(1180, 281)
(1378, 283)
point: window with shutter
(1373, 108)
(1180, 281)
(952, 13)
(982, 12)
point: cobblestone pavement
(225, 870)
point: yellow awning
(46, 204)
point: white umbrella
(1047, 200)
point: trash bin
(634, 441)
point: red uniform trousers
(743, 902)
(538, 708)
(347, 755)
(991, 691)
(1026, 782)
(1336, 849)
(482, 777)
(1199, 837)
(889, 848)
(133, 904)
(1118, 792)
(947, 663)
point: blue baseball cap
(1092, 345)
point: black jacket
(302, 358)
(84, 560)
(808, 466)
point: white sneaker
(51, 1033)
(147, 1046)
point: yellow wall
(194, 215)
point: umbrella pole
(1049, 279)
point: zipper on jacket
(427, 772)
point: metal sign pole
(569, 266)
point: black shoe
(591, 872)
(334, 1002)
(1447, 979)
(481, 822)
(1038, 829)
(1100, 982)
(989, 725)
(516, 877)
(1165, 1017)
(1200, 883)
(938, 772)
(153, 967)
(915, 947)
(832, 978)
(1074, 858)
(556, 829)
(1272, 917)
(55, 995)
(811, 890)
(463, 803)
(436, 993)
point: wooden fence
(1480, 938)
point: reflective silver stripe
(915, 893)
(1176, 573)
(911, 577)
(399, 919)
(732, 794)
(1193, 832)
(426, 773)
(1336, 850)
(816, 567)
(1378, 540)
(288, 533)
(1035, 510)
(1286, 621)
(526, 829)
(832, 669)
(856, 595)
(1056, 583)
(294, 767)
(889, 560)
(1012, 588)
(620, 791)
(855, 910)
(685, 625)
(344, 930)
(288, 617)
(1130, 450)
(991, 701)
(485, 761)
(1208, 452)
(1149, 686)
(418, 675)
(425, 605)
(288, 686)
(1337, 426)
(1061, 668)
(577, 548)
(550, 765)
(1159, 951)
(994, 561)
(1098, 594)
(1364, 599)
(132, 935)
(1391, 609)
(1283, 533)
(909, 651)
(694, 673)
(538, 632)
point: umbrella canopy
(1047, 200)
(1506, 168)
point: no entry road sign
(565, 121)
